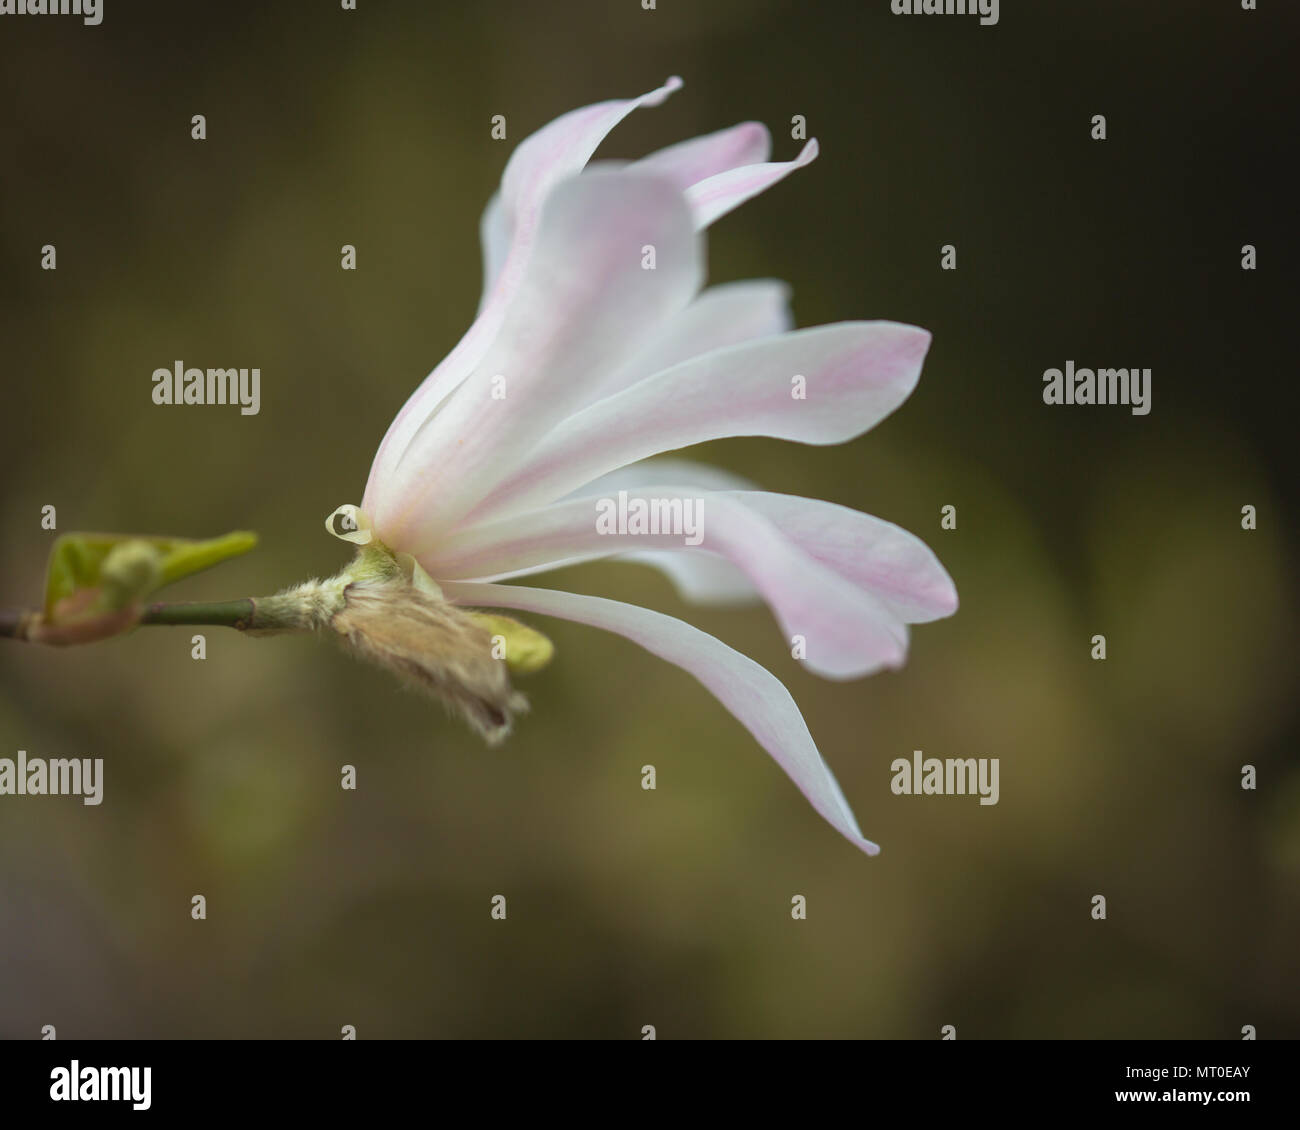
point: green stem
(238, 614)
(290, 611)
(284, 612)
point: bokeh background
(672, 907)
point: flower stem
(238, 614)
(284, 612)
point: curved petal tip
(671, 86)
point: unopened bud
(131, 571)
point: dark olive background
(671, 907)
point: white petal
(541, 161)
(757, 699)
(854, 373)
(894, 566)
(560, 150)
(721, 316)
(719, 194)
(845, 631)
(584, 303)
(699, 576)
(494, 237)
(686, 164)
(689, 162)
(683, 473)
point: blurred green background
(671, 907)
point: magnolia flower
(594, 351)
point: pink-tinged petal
(541, 161)
(685, 474)
(721, 316)
(685, 164)
(758, 700)
(561, 149)
(894, 566)
(494, 237)
(586, 301)
(854, 374)
(699, 577)
(844, 631)
(717, 195)
(689, 162)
